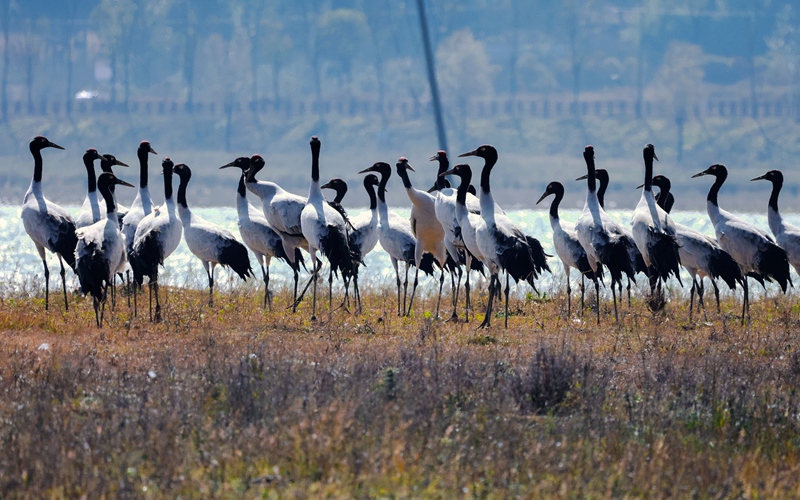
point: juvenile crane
(100, 248)
(209, 242)
(49, 226)
(753, 249)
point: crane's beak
(327, 185)
(760, 177)
(117, 162)
(700, 174)
(433, 158)
(544, 195)
(449, 172)
(366, 170)
(123, 183)
(53, 145)
(153, 151)
(474, 152)
(228, 165)
(583, 177)
(410, 167)
(640, 186)
(655, 156)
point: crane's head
(108, 179)
(337, 185)
(717, 170)
(403, 165)
(774, 176)
(380, 167)
(145, 147)
(91, 155)
(487, 152)
(166, 165)
(649, 152)
(108, 160)
(242, 163)
(440, 155)
(370, 180)
(40, 142)
(182, 171)
(554, 188)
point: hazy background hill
(208, 80)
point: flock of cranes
(453, 230)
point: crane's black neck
(341, 190)
(108, 195)
(486, 172)
(88, 161)
(373, 202)
(777, 184)
(182, 193)
(591, 179)
(558, 196)
(167, 183)
(444, 166)
(142, 153)
(315, 163)
(37, 164)
(648, 172)
(385, 174)
(403, 173)
(718, 182)
(602, 178)
(241, 188)
(463, 188)
(664, 198)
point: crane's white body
(142, 206)
(256, 232)
(42, 219)
(595, 228)
(317, 218)
(91, 210)
(364, 233)
(282, 210)
(650, 223)
(165, 224)
(742, 240)
(787, 236)
(104, 237)
(204, 239)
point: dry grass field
(237, 402)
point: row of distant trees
(247, 50)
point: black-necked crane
(143, 203)
(466, 223)
(602, 237)
(91, 211)
(340, 187)
(209, 242)
(256, 232)
(654, 232)
(700, 254)
(786, 235)
(49, 226)
(395, 235)
(751, 248)
(445, 208)
(504, 246)
(157, 235)
(325, 231)
(364, 235)
(282, 210)
(566, 244)
(426, 228)
(637, 261)
(107, 161)
(100, 248)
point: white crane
(90, 211)
(282, 210)
(654, 233)
(637, 261)
(256, 232)
(786, 235)
(100, 248)
(325, 231)
(753, 249)
(504, 246)
(565, 241)
(426, 228)
(395, 235)
(209, 242)
(700, 254)
(602, 237)
(49, 226)
(157, 236)
(143, 203)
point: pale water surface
(21, 270)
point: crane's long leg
(46, 286)
(210, 273)
(460, 273)
(746, 302)
(64, 282)
(597, 295)
(614, 296)
(314, 279)
(150, 288)
(691, 297)
(413, 291)
(330, 294)
(507, 290)
(439, 300)
(467, 303)
(583, 292)
(716, 293)
(397, 277)
(487, 320)
(103, 304)
(569, 292)
(405, 290)
(356, 294)
(158, 303)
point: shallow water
(21, 268)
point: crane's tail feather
(234, 255)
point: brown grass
(237, 402)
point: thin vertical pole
(437, 103)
